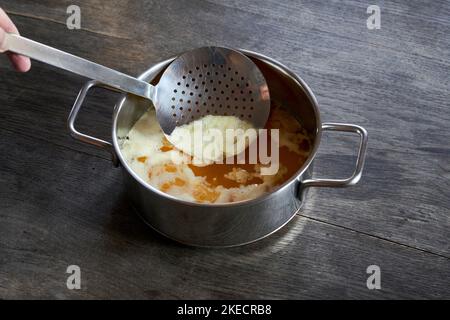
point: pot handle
(73, 116)
(356, 176)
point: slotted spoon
(208, 80)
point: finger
(6, 23)
(20, 63)
(2, 39)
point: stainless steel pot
(232, 224)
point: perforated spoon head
(211, 81)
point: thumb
(20, 63)
(2, 40)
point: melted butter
(167, 146)
(142, 159)
(215, 174)
(204, 193)
(149, 153)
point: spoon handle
(69, 62)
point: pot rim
(295, 177)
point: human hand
(19, 62)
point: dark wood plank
(378, 86)
(62, 203)
(48, 224)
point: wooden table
(62, 203)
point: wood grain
(62, 202)
(48, 224)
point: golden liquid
(215, 174)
